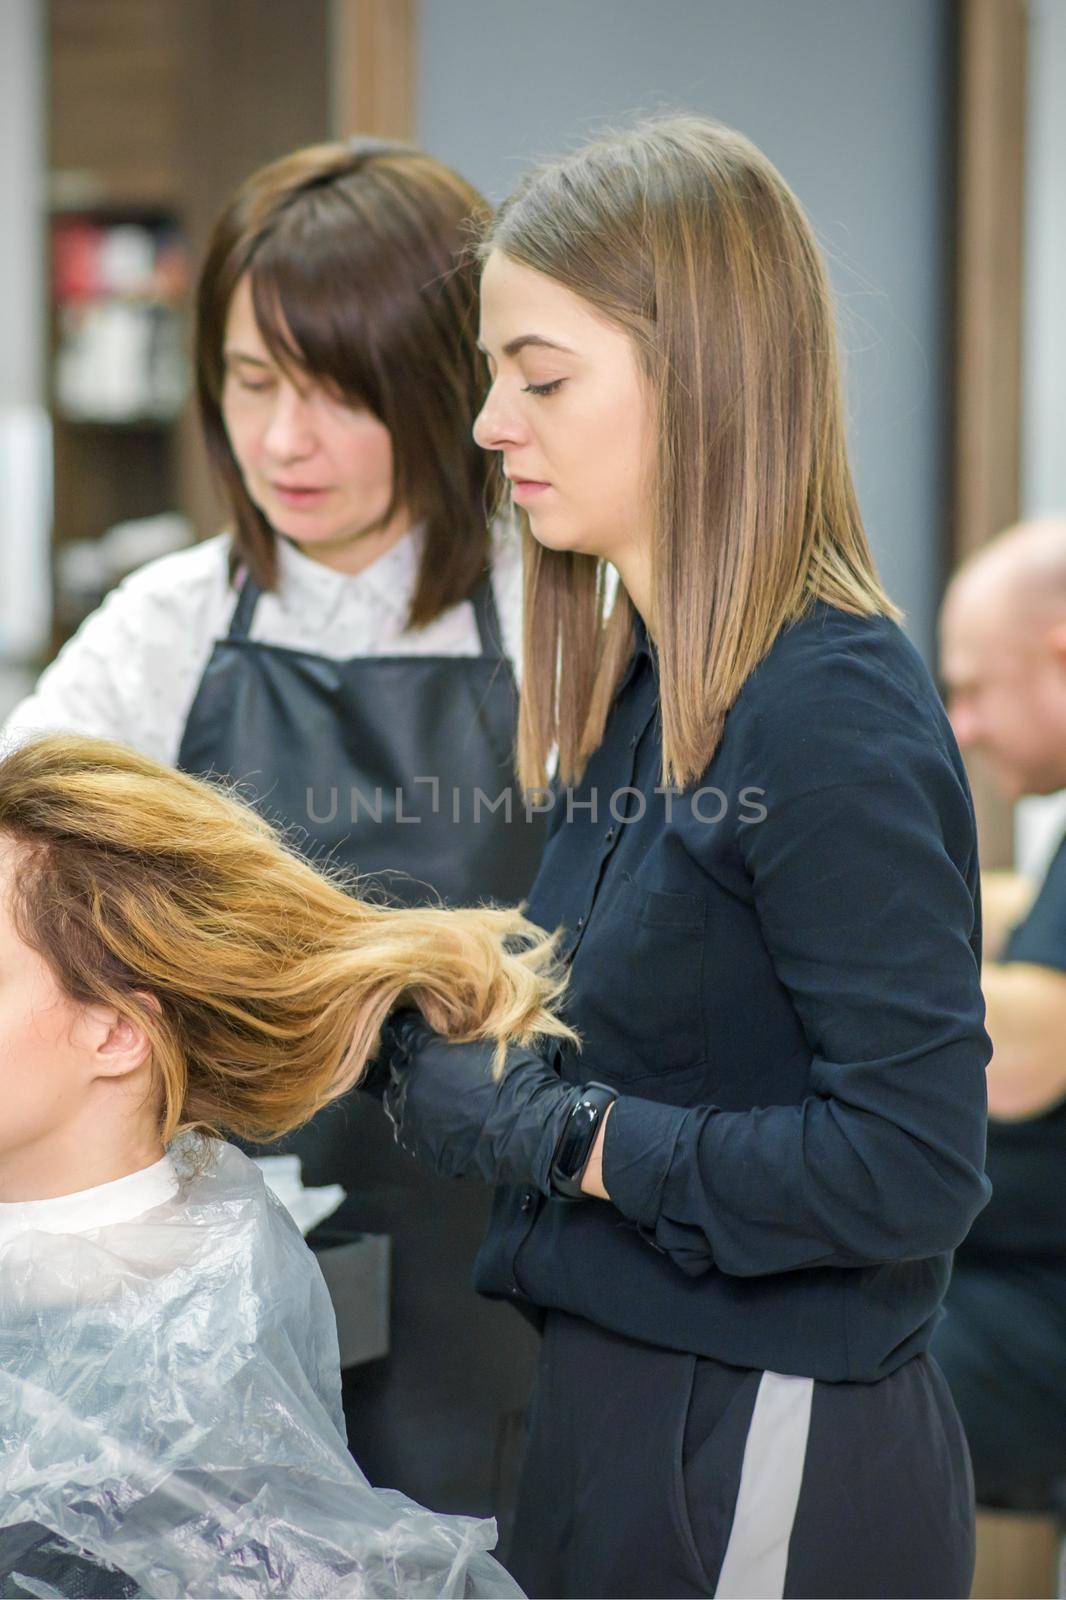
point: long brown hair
(359, 279)
(260, 983)
(683, 234)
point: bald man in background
(1003, 1341)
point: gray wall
(25, 459)
(22, 308)
(1044, 348)
(852, 99)
(1040, 823)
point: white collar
(388, 581)
(118, 1201)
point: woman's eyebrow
(513, 346)
(230, 354)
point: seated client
(170, 1406)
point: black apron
(333, 749)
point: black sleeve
(863, 874)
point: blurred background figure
(1003, 1342)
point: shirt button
(580, 922)
(527, 1200)
(633, 742)
(609, 835)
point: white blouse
(132, 670)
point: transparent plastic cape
(170, 1416)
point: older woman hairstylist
(733, 1211)
(345, 652)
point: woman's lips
(526, 489)
(294, 495)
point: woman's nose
(289, 434)
(496, 425)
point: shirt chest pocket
(637, 987)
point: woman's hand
(449, 1111)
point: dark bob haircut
(361, 281)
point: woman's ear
(117, 1044)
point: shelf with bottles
(120, 283)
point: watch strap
(577, 1139)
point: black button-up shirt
(779, 971)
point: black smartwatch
(577, 1138)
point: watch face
(575, 1146)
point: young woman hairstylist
(344, 652)
(733, 1211)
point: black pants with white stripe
(654, 1473)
